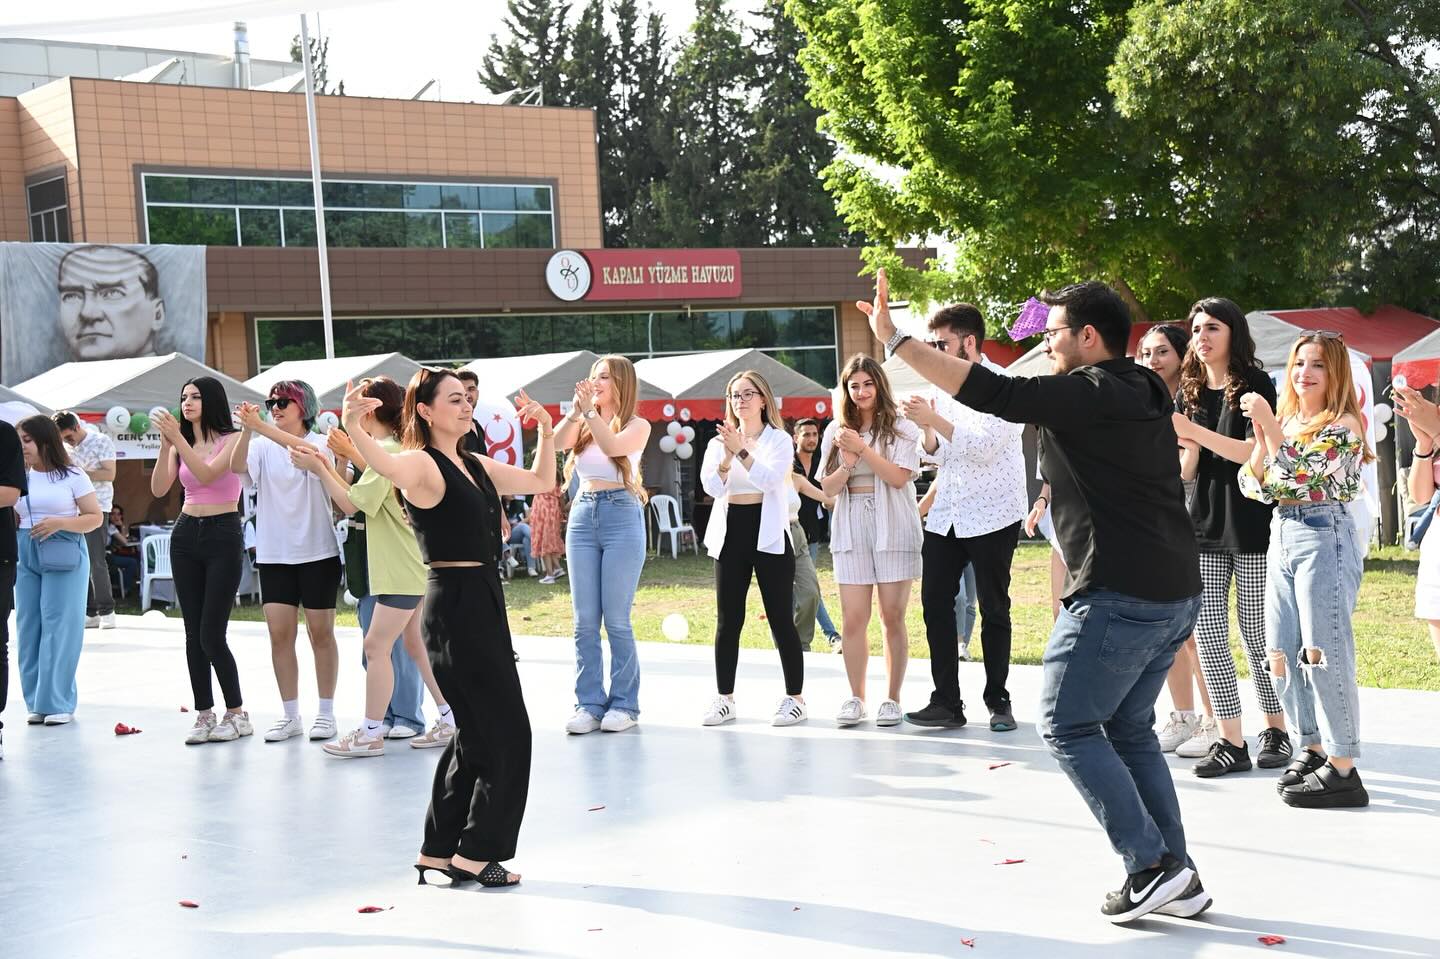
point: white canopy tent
(550, 378)
(14, 407)
(697, 382)
(328, 377)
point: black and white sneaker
(1273, 748)
(1306, 763)
(1148, 890)
(1189, 904)
(1223, 758)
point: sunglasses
(1323, 334)
(278, 403)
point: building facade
(441, 219)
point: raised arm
(540, 477)
(411, 470)
(249, 414)
(166, 466)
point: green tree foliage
(319, 50)
(535, 52)
(639, 101)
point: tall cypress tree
(534, 53)
(640, 98)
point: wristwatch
(591, 413)
(743, 456)
(893, 344)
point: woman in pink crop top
(206, 548)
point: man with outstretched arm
(1132, 593)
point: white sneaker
(559, 572)
(107, 621)
(356, 745)
(616, 721)
(722, 710)
(1207, 733)
(200, 732)
(851, 712)
(284, 729)
(1179, 729)
(400, 732)
(964, 650)
(440, 734)
(548, 580)
(789, 712)
(92, 622)
(231, 727)
(34, 719)
(888, 714)
(581, 723)
(58, 719)
(323, 727)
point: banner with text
(677, 275)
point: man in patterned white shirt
(94, 452)
(980, 503)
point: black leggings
(205, 557)
(483, 778)
(775, 572)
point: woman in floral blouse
(1307, 460)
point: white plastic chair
(156, 565)
(667, 521)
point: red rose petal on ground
(1009, 862)
(968, 942)
(184, 709)
(998, 765)
(795, 909)
(123, 730)
(372, 909)
(595, 808)
(189, 904)
(1272, 940)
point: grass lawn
(1394, 649)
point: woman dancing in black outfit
(453, 500)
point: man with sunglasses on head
(973, 520)
(1132, 593)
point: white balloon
(689, 433)
(1400, 381)
(326, 422)
(684, 412)
(668, 409)
(349, 598)
(1383, 412)
(153, 616)
(673, 428)
(667, 444)
(117, 419)
(684, 451)
(675, 627)
(1381, 431)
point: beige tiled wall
(122, 126)
(12, 173)
(45, 121)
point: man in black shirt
(12, 487)
(814, 517)
(1132, 594)
(473, 442)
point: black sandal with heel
(421, 868)
(493, 876)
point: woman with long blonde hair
(1307, 461)
(871, 457)
(747, 469)
(605, 541)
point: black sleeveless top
(464, 527)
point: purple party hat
(1030, 321)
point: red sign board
(677, 275)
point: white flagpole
(320, 243)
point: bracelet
(546, 436)
(1424, 456)
(1045, 498)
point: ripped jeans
(1312, 579)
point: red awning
(1381, 335)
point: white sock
(327, 708)
(1186, 713)
(292, 708)
(447, 717)
(372, 727)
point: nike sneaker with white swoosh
(1189, 904)
(1148, 890)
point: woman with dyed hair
(295, 548)
(747, 469)
(605, 541)
(871, 457)
(1307, 461)
(206, 548)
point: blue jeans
(49, 626)
(409, 694)
(965, 603)
(605, 546)
(1312, 580)
(822, 615)
(1104, 666)
(520, 539)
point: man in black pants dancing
(1132, 593)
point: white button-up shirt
(980, 486)
(93, 450)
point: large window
(803, 339)
(249, 211)
(49, 207)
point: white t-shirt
(51, 497)
(292, 512)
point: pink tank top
(223, 491)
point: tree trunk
(1138, 313)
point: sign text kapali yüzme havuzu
(665, 273)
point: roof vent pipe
(242, 56)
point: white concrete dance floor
(669, 840)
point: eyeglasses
(744, 396)
(1049, 333)
(1323, 334)
(278, 402)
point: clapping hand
(167, 426)
(306, 457)
(1422, 415)
(731, 436)
(341, 445)
(584, 396)
(921, 412)
(249, 414)
(1257, 408)
(531, 410)
(357, 405)
(879, 312)
(850, 441)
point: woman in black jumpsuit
(453, 500)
